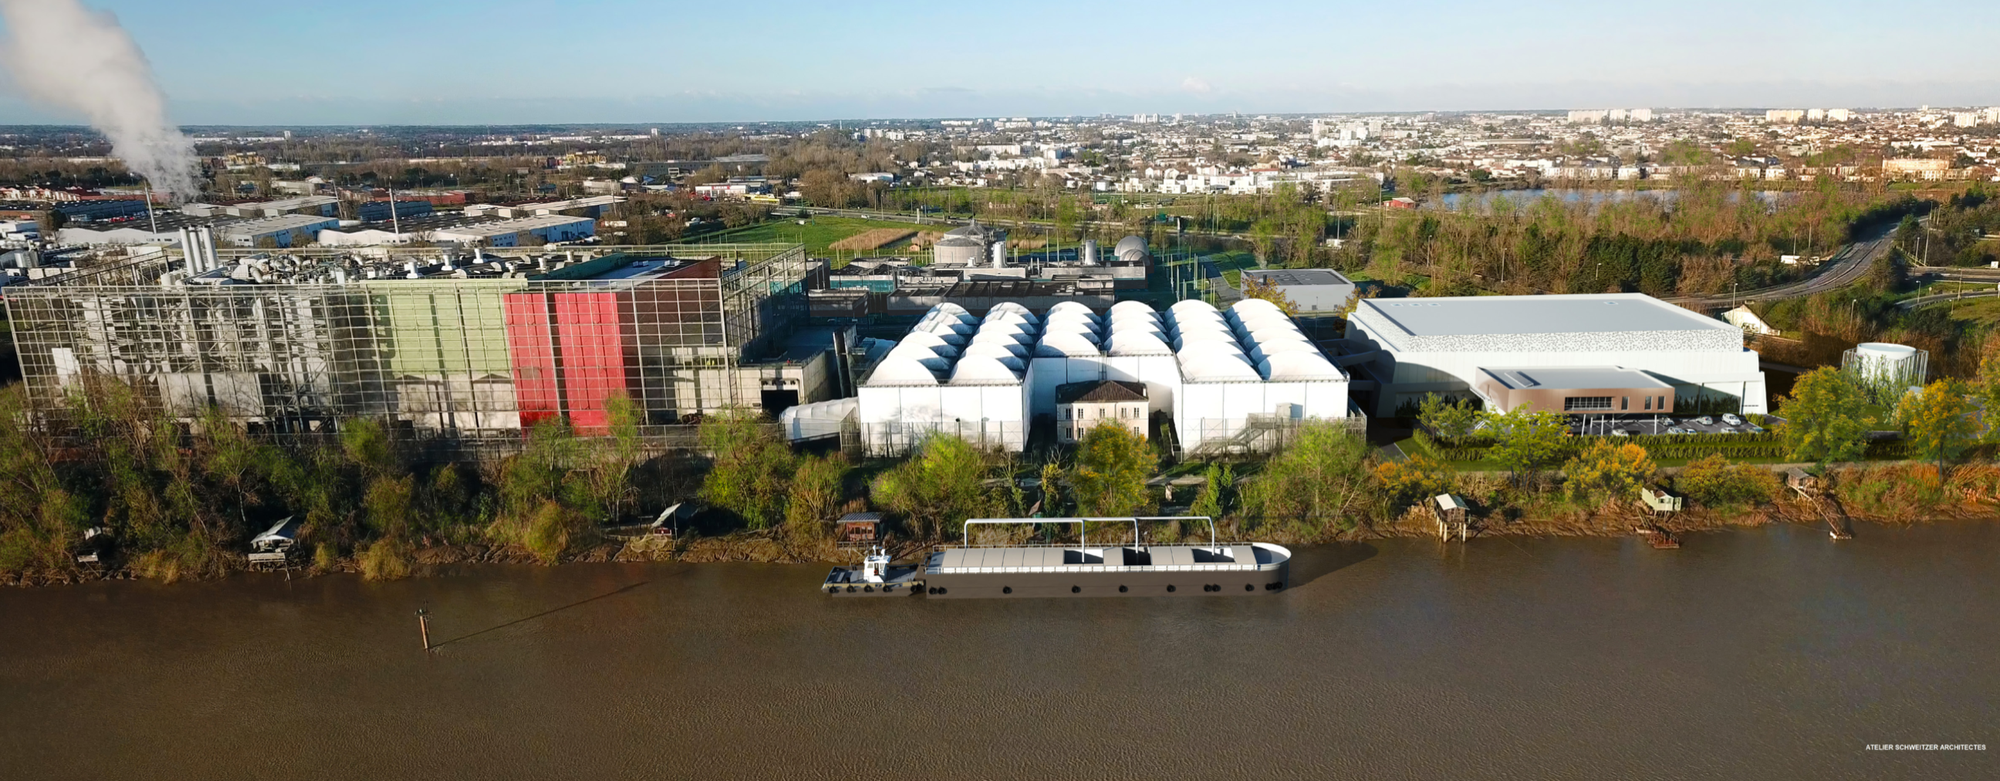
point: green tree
(1218, 480)
(943, 484)
(1113, 463)
(1321, 477)
(751, 468)
(1607, 471)
(1526, 441)
(1448, 418)
(818, 488)
(1826, 417)
(1938, 422)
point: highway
(1944, 298)
(1845, 268)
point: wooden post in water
(424, 626)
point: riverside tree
(1937, 422)
(1826, 417)
(1525, 441)
(752, 470)
(1321, 477)
(1605, 471)
(1447, 418)
(1413, 480)
(1112, 465)
(943, 483)
(1713, 481)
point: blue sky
(635, 61)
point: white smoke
(65, 55)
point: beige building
(1083, 405)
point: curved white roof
(1002, 336)
(915, 352)
(1070, 325)
(1261, 351)
(929, 339)
(995, 349)
(1211, 349)
(1255, 304)
(1010, 311)
(981, 370)
(1138, 327)
(1297, 366)
(1217, 368)
(1277, 335)
(1130, 306)
(1061, 345)
(1069, 306)
(1138, 343)
(1135, 316)
(902, 371)
(1191, 305)
(1129, 245)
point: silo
(1887, 366)
(1090, 252)
(1000, 254)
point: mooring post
(424, 626)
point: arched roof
(1297, 366)
(995, 349)
(1066, 345)
(1138, 343)
(982, 370)
(902, 371)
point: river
(1570, 195)
(1764, 654)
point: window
(1661, 405)
(1649, 402)
(1624, 403)
(1586, 403)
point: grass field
(818, 234)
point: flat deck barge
(1134, 569)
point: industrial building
(482, 350)
(1579, 349)
(549, 228)
(1312, 291)
(290, 230)
(1235, 380)
(972, 245)
(317, 205)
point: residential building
(1081, 406)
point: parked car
(1754, 429)
(1705, 420)
(1732, 420)
(1619, 432)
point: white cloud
(1195, 85)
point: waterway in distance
(1763, 654)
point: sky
(372, 62)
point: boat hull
(1097, 585)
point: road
(1846, 267)
(1944, 298)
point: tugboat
(876, 577)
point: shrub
(1407, 482)
(1715, 482)
(387, 559)
(1606, 471)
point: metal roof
(1567, 377)
(1487, 315)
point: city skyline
(444, 63)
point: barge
(1135, 569)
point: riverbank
(1609, 522)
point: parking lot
(1625, 426)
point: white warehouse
(1411, 347)
(1222, 378)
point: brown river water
(1763, 654)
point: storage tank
(1000, 254)
(1888, 364)
(1090, 252)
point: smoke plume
(68, 56)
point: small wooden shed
(1452, 514)
(859, 529)
(1660, 502)
(1802, 481)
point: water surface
(1770, 654)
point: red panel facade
(531, 347)
(593, 356)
